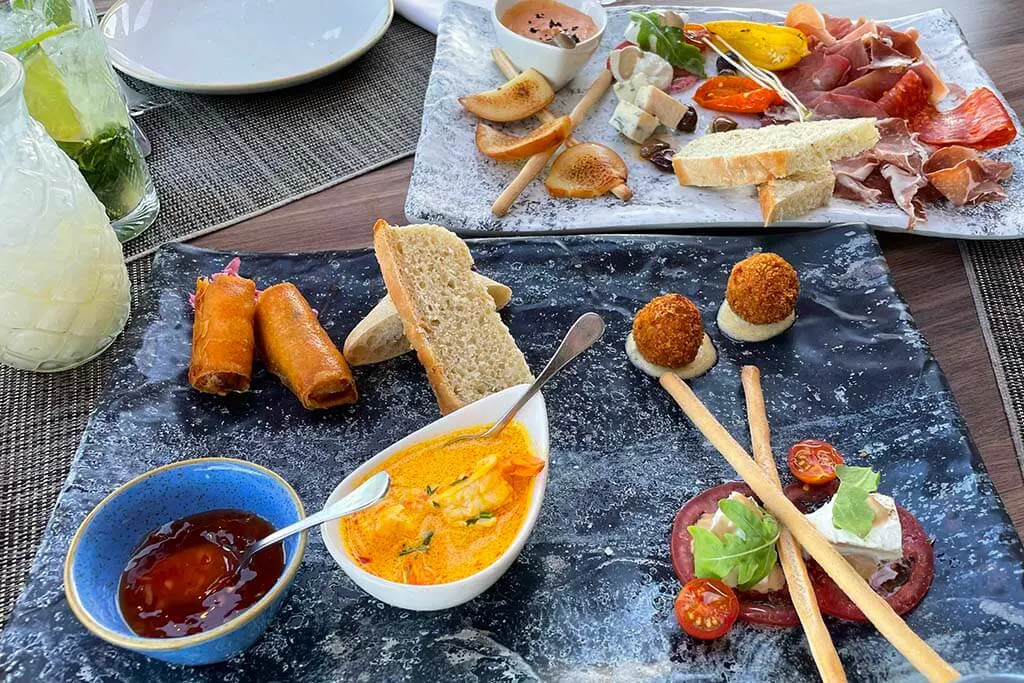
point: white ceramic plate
(240, 46)
(534, 416)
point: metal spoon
(581, 336)
(563, 41)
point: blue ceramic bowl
(101, 547)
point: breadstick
(799, 583)
(877, 610)
(510, 71)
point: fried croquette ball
(668, 331)
(763, 289)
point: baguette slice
(447, 314)
(785, 198)
(751, 156)
(379, 336)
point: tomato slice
(695, 34)
(706, 608)
(813, 461)
(737, 94)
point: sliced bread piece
(785, 198)
(751, 156)
(447, 314)
(379, 336)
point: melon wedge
(523, 96)
(585, 170)
(505, 147)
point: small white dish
(558, 65)
(223, 47)
(534, 417)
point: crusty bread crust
(728, 171)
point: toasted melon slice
(585, 170)
(523, 96)
(505, 147)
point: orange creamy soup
(542, 19)
(450, 511)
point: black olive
(652, 146)
(721, 64)
(727, 72)
(663, 159)
(720, 124)
(688, 123)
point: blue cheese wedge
(884, 543)
(659, 104)
(633, 122)
(628, 90)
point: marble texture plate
(454, 185)
(590, 598)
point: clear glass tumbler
(71, 89)
(64, 292)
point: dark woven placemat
(215, 161)
(995, 270)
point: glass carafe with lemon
(64, 293)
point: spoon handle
(368, 493)
(587, 329)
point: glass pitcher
(71, 89)
(64, 293)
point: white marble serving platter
(454, 185)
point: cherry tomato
(706, 608)
(813, 461)
(737, 94)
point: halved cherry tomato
(737, 94)
(706, 608)
(813, 461)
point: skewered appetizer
(760, 298)
(668, 336)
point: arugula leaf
(749, 551)
(667, 42)
(850, 509)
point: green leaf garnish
(421, 548)
(486, 515)
(668, 42)
(431, 489)
(850, 509)
(750, 551)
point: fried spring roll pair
(295, 347)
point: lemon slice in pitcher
(47, 97)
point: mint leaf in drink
(112, 165)
(850, 509)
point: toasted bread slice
(785, 198)
(751, 156)
(523, 96)
(505, 147)
(585, 170)
(379, 336)
(447, 314)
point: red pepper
(737, 94)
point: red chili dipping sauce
(182, 579)
(540, 20)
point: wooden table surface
(929, 272)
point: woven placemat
(216, 161)
(994, 270)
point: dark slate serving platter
(591, 595)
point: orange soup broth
(540, 20)
(455, 549)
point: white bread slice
(785, 198)
(379, 336)
(447, 314)
(751, 156)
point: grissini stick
(510, 71)
(538, 161)
(877, 610)
(830, 668)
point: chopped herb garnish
(435, 503)
(483, 515)
(431, 489)
(486, 515)
(461, 479)
(421, 548)
(472, 520)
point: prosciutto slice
(882, 55)
(980, 121)
(964, 177)
(834, 105)
(816, 73)
(806, 18)
(872, 85)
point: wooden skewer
(538, 161)
(797, 580)
(877, 610)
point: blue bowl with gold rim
(105, 541)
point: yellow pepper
(767, 46)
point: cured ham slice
(806, 18)
(872, 85)
(839, 27)
(980, 121)
(882, 55)
(905, 186)
(848, 187)
(817, 72)
(907, 97)
(834, 105)
(965, 177)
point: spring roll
(296, 348)
(222, 334)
